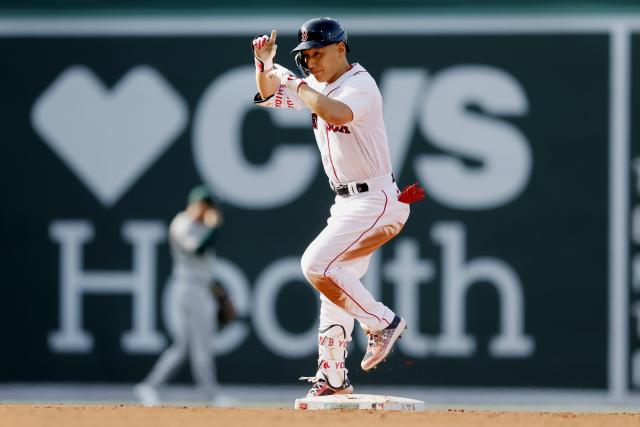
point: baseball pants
(339, 257)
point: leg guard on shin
(332, 352)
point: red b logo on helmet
(304, 36)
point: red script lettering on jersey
(334, 128)
(330, 127)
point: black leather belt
(361, 187)
(343, 190)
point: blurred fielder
(369, 210)
(193, 302)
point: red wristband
(261, 66)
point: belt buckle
(350, 189)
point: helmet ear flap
(301, 63)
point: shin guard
(332, 352)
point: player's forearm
(264, 51)
(266, 87)
(207, 240)
(330, 110)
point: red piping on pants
(386, 199)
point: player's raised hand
(212, 218)
(264, 50)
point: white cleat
(147, 395)
(321, 386)
(380, 344)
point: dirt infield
(125, 416)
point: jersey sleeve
(193, 240)
(360, 98)
(283, 98)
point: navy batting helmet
(320, 32)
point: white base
(359, 401)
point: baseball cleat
(146, 394)
(222, 401)
(381, 342)
(321, 386)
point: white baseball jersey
(192, 308)
(357, 151)
(359, 223)
(187, 237)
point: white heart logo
(109, 138)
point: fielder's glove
(226, 310)
(411, 193)
(291, 81)
(264, 50)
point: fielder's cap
(320, 32)
(201, 193)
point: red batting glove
(411, 194)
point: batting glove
(291, 81)
(264, 50)
(411, 193)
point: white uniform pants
(337, 259)
(193, 311)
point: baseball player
(192, 303)
(369, 210)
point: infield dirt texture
(126, 416)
